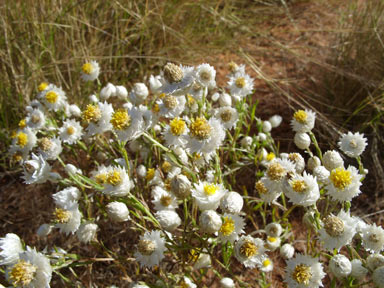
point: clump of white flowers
(172, 163)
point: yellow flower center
(35, 119)
(272, 239)
(260, 187)
(42, 86)
(91, 113)
(170, 102)
(177, 126)
(146, 247)
(22, 273)
(45, 144)
(294, 157)
(165, 200)
(300, 116)
(17, 157)
(248, 249)
(240, 82)
(70, 130)
(120, 119)
(228, 226)
(150, 174)
(266, 263)
(22, 139)
(101, 178)
(270, 156)
(193, 255)
(166, 166)
(191, 100)
(200, 128)
(353, 143)
(87, 68)
(173, 73)
(374, 238)
(210, 189)
(156, 108)
(22, 123)
(276, 172)
(232, 66)
(340, 178)
(62, 216)
(302, 274)
(226, 115)
(298, 186)
(114, 178)
(334, 226)
(51, 97)
(205, 75)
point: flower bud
(44, 230)
(332, 159)
(121, 92)
(313, 162)
(231, 203)
(107, 91)
(287, 251)
(358, 271)
(86, 232)
(141, 171)
(267, 126)
(227, 283)
(273, 229)
(168, 219)
(181, 186)
(275, 120)
(302, 140)
(210, 221)
(340, 266)
(118, 211)
(225, 100)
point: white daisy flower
(268, 190)
(150, 249)
(50, 148)
(228, 116)
(374, 261)
(210, 221)
(303, 121)
(274, 229)
(378, 277)
(177, 79)
(87, 232)
(168, 219)
(231, 228)
(205, 136)
(171, 106)
(10, 248)
(358, 270)
(36, 170)
(163, 200)
(240, 84)
(35, 119)
(67, 196)
(298, 160)
(115, 180)
(67, 219)
(302, 190)
(128, 124)
(232, 202)
(54, 98)
(208, 195)
(278, 170)
(303, 271)
(272, 243)
(23, 142)
(118, 211)
(205, 75)
(266, 264)
(332, 160)
(139, 93)
(337, 231)
(249, 251)
(97, 117)
(90, 71)
(174, 133)
(71, 131)
(352, 144)
(373, 238)
(344, 184)
(33, 270)
(196, 93)
(340, 266)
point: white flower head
(225, 100)
(227, 283)
(163, 200)
(240, 84)
(337, 231)
(74, 110)
(155, 84)
(303, 271)
(118, 211)
(322, 174)
(313, 162)
(121, 92)
(97, 116)
(35, 119)
(150, 249)
(50, 148)
(378, 277)
(71, 131)
(266, 264)
(139, 93)
(106, 92)
(32, 270)
(115, 180)
(246, 142)
(268, 190)
(203, 261)
(232, 202)
(344, 184)
(358, 270)
(36, 170)
(302, 190)
(177, 79)
(332, 160)
(67, 219)
(302, 140)
(231, 228)
(228, 116)
(208, 195)
(90, 71)
(171, 106)
(87, 232)
(275, 121)
(23, 142)
(340, 266)
(53, 98)
(303, 121)
(128, 124)
(287, 251)
(205, 75)
(266, 126)
(186, 283)
(210, 221)
(67, 196)
(274, 229)
(10, 248)
(374, 261)
(352, 144)
(272, 243)
(373, 238)
(174, 133)
(249, 251)
(181, 186)
(168, 219)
